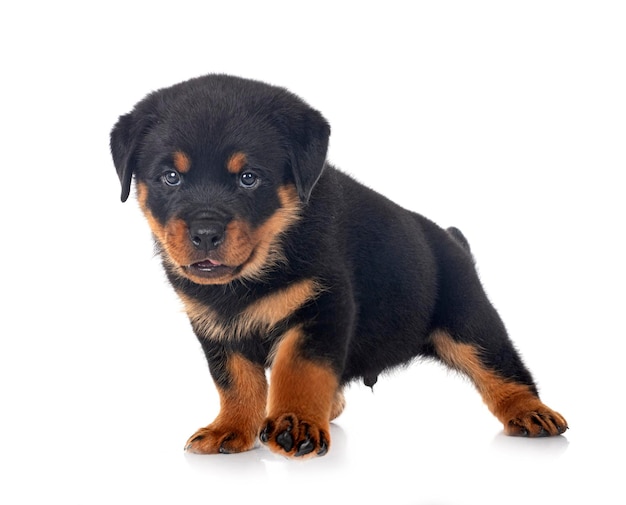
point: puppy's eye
(171, 178)
(248, 180)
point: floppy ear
(125, 140)
(308, 133)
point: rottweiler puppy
(284, 262)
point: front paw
(291, 436)
(214, 439)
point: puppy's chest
(260, 316)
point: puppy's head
(222, 167)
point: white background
(506, 119)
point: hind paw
(538, 422)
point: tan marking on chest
(260, 316)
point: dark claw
(223, 449)
(264, 434)
(323, 447)
(305, 447)
(188, 446)
(543, 433)
(285, 440)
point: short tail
(456, 234)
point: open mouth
(209, 269)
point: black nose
(206, 235)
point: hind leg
(504, 383)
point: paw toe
(323, 446)
(305, 447)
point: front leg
(242, 387)
(302, 399)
